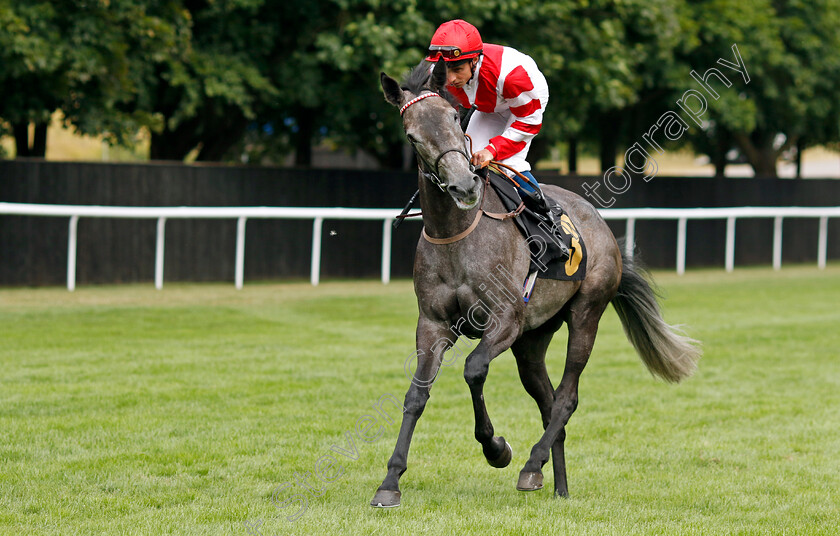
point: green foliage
(601, 56)
(326, 66)
(80, 58)
(791, 51)
(282, 74)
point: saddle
(544, 236)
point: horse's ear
(438, 75)
(391, 88)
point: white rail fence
(387, 216)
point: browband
(417, 99)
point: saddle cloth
(546, 257)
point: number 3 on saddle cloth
(547, 258)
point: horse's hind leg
(530, 351)
(583, 326)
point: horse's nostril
(457, 190)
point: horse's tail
(664, 349)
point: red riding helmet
(455, 40)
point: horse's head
(432, 127)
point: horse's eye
(411, 138)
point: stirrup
(539, 204)
(555, 228)
(554, 225)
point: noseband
(432, 173)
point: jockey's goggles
(448, 53)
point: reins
(432, 174)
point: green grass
(125, 410)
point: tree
(204, 95)
(32, 79)
(326, 68)
(619, 70)
(604, 60)
(222, 78)
(791, 50)
(82, 58)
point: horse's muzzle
(465, 199)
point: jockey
(508, 93)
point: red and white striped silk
(510, 94)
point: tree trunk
(759, 151)
(765, 163)
(719, 157)
(167, 146)
(573, 147)
(39, 143)
(800, 148)
(765, 166)
(21, 133)
(174, 144)
(538, 151)
(610, 126)
(303, 142)
(214, 148)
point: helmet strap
(473, 65)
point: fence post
(777, 243)
(386, 251)
(160, 246)
(822, 247)
(681, 231)
(239, 272)
(71, 253)
(730, 243)
(315, 273)
(630, 238)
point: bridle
(433, 175)
(432, 172)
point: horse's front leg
(477, 365)
(432, 341)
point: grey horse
(468, 276)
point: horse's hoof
(386, 498)
(504, 458)
(529, 481)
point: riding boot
(537, 202)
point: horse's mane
(417, 81)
